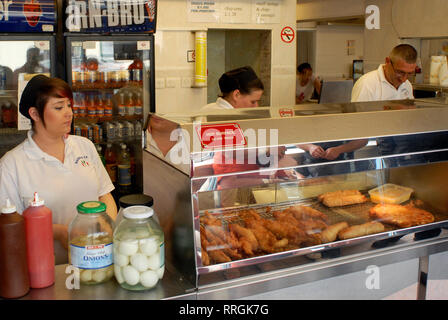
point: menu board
(111, 16)
(28, 16)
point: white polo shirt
(218, 105)
(373, 86)
(27, 169)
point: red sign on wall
(221, 135)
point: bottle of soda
(14, 278)
(124, 171)
(9, 117)
(138, 104)
(110, 159)
(91, 108)
(39, 243)
(130, 106)
(108, 107)
(99, 104)
(121, 105)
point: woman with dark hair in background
(64, 169)
(240, 88)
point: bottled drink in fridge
(108, 107)
(110, 158)
(39, 242)
(14, 278)
(121, 104)
(124, 170)
(130, 107)
(138, 104)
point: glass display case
(250, 190)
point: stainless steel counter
(172, 286)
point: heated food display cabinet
(264, 225)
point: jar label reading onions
(91, 256)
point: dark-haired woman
(64, 169)
(240, 88)
(306, 83)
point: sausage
(361, 230)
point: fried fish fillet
(342, 198)
(401, 216)
(305, 212)
(330, 233)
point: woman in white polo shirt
(64, 169)
(240, 88)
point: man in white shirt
(390, 80)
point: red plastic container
(39, 241)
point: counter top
(171, 286)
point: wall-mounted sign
(287, 34)
(221, 135)
(27, 16)
(111, 16)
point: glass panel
(242, 222)
(29, 57)
(110, 80)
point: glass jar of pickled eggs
(91, 243)
(139, 249)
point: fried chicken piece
(283, 230)
(214, 243)
(218, 256)
(225, 236)
(266, 239)
(305, 212)
(210, 220)
(401, 216)
(247, 239)
(205, 257)
(250, 214)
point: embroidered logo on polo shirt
(84, 163)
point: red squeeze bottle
(14, 279)
(39, 241)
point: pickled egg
(148, 246)
(154, 261)
(139, 261)
(121, 260)
(131, 275)
(118, 275)
(160, 271)
(128, 247)
(149, 279)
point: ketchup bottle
(39, 241)
(14, 279)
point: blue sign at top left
(27, 16)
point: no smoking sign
(287, 34)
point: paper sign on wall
(235, 11)
(203, 11)
(266, 11)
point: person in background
(240, 88)
(64, 169)
(306, 83)
(390, 80)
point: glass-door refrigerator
(111, 71)
(27, 47)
